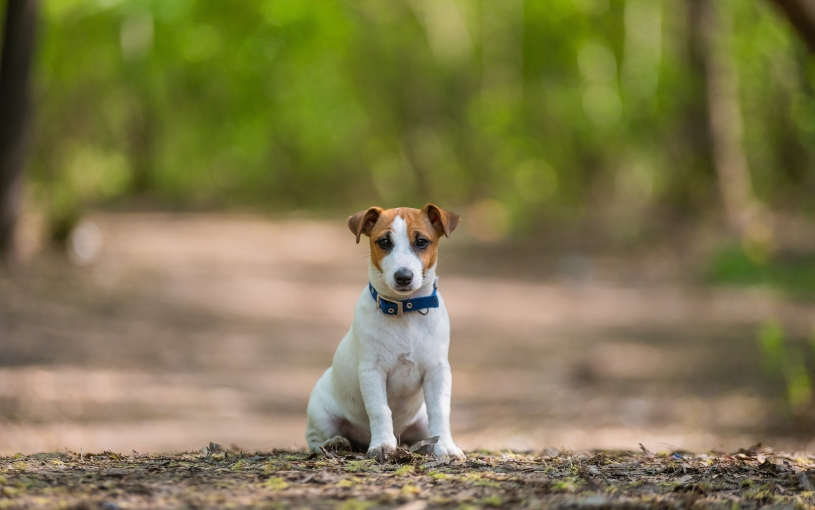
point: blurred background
(636, 178)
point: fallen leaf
(424, 442)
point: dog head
(404, 242)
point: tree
(15, 114)
(725, 116)
(802, 16)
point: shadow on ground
(195, 328)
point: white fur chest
(403, 349)
(401, 344)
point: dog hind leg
(337, 444)
(323, 433)
(323, 428)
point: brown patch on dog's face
(420, 232)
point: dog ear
(443, 221)
(363, 222)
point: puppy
(390, 381)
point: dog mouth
(402, 289)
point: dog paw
(337, 444)
(380, 453)
(448, 449)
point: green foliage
(771, 337)
(552, 110)
(799, 387)
(787, 361)
(793, 274)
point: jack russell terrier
(390, 381)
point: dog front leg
(372, 383)
(438, 385)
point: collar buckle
(391, 307)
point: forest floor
(212, 477)
(191, 328)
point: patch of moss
(565, 486)
(355, 504)
(276, 483)
(491, 500)
(404, 470)
(357, 466)
(408, 489)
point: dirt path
(218, 479)
(196, 328)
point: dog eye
(421, 242)
(384, 243)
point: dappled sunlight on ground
(187, 329)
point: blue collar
(409, 305)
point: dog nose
(403, 276)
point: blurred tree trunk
(141, 144)
(801, 14)
(15, 67)
(725, 116)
